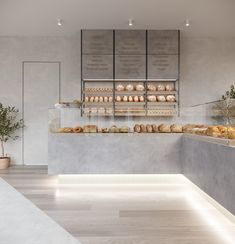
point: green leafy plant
(8, 125)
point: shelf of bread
(162, 93)
(162, 103)
(129, 92)
(98, 104)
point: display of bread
(98, 89)
(129, 98)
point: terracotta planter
(4, 162)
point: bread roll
(139, 87)
(170, 98)
(176, 128)
(155, 128)
(86, 99)
(101, 99)
(120, 87)
(151, 87)
(136, 99)
(149, 128)
(231, 133)
(137, 128)
(65, 130)
(129, 87)
(96, 100)
(141, 98)
(106, 99)
(143, 128)
(125, 99)
(114, 129)
(161, 98)
(164, 128)
(161, 87)
(110, 99)
(77, 129)
(92, 99)
(118, 99)
(130, 99)
(124, 129)
(170, 87)
(152, 98)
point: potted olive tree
(8, 127)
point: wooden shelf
(130, 104)
(129, 92)
(161, 92)
(98, 104)
(98, 92)
(162, 103)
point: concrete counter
(114, 153)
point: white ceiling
(38, 17)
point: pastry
(170, 98)
(130, 99)
(129, 87)
(152, 98)
(90, 129)
(170, 87)
(139, 87)
(231, 133)
(106, 99)
(114, 129)
(143, 128)
(137, 128)
(176, 128)
(96, 100)
(77, 129)
(149, 128)
(141, 98)
(124, 129)
(160, 87)
(161, 98)
(101, 99)
(110, 99)
(151, 87)
(118, 99)
(136, 99)
(164, 128)
(120, 87)
(65, 130)
(125, 99)
(155, 128)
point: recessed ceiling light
(130, 23)
(187, 23)
(59, 22)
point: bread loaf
(161, 98)
(136, 99)
(125, 99)
(114, 129)
(143, 128)
(137, 128)
(141, 98)
(65, 130)
(170, 98)
(120, 87)
(152, 98)
(160, 87)
(176, 128)
(155, 128)
(170, 87)
(149, 128)
(151, 87)
(129, 87)
(130, 99)
(139, 87)
(118, 99)
(90, 129)
(164, 128)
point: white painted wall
(207, 69)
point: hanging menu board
(130, 54)
(163, 49)
(97, 54)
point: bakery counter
(114, 153)
(210, 164)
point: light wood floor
(124, 214)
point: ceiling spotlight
(130, 23)
(59, 22)
(187, 23)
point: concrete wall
(207, 69)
